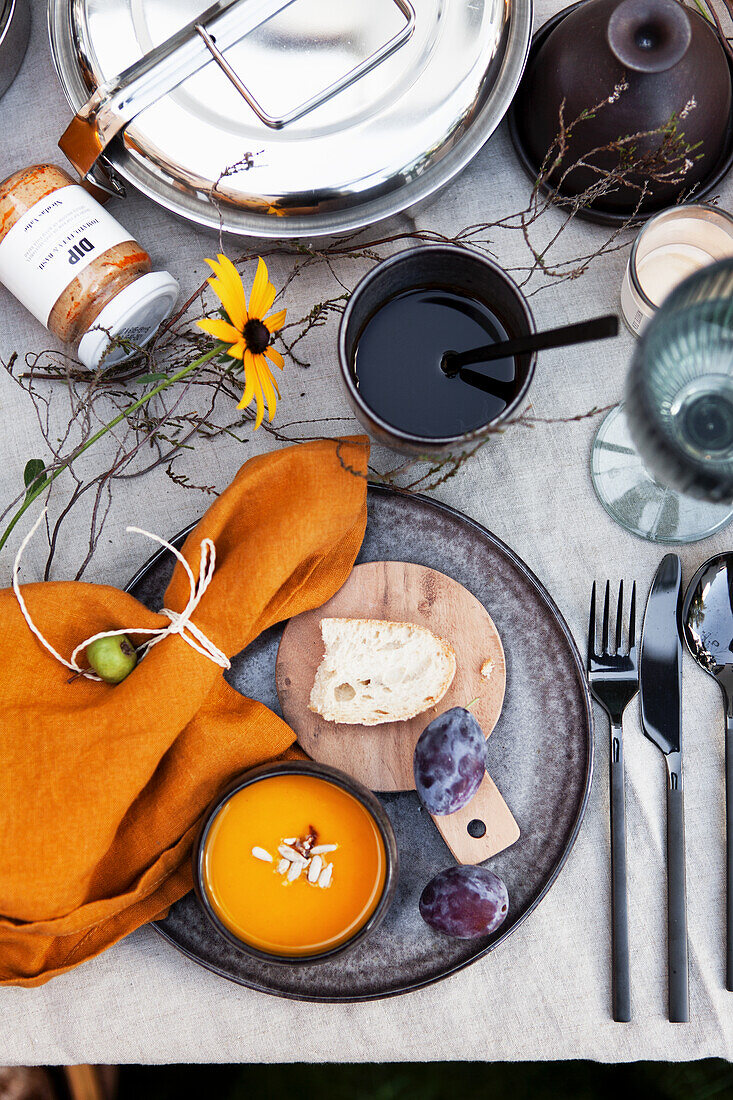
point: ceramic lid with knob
(643, 81)
(282, 119)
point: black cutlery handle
(729, 850)
(621, 981)
(679, 1008)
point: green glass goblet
(662, 463)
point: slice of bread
(375, 671)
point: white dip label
(52, 243)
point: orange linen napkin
(102, 788)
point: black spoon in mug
(456, 364)
(707, 626)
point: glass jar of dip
(77, 270)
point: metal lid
(383, 143)
(15, 22)
(134, 315)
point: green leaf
(33, 470)
(152, 377)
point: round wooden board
(381, 756)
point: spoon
(595, 328)
(707, 626)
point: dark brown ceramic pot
(671, 64)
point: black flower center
(256, 336)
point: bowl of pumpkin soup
(295, 862)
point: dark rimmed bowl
(339, 779)
(593, 214)
(445, 267)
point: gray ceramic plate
(540, 755)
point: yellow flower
(248, 331)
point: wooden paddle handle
(488, 815)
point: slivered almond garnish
(298, 855)
(295, 869)
(260, 853)
(314, 869)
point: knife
(659, 693)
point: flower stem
(44, 482)
(703, 12)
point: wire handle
(119, 100)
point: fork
(614, 681)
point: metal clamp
(119, 100)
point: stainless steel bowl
(15, 25)
(383, 144)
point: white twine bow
(180, 621)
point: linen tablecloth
(544, 994)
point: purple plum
(465, 902)
(449, 761)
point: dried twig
(202, 406)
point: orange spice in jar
(77, 270)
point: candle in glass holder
(671, 246)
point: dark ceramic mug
(446, 267)
(340, 779)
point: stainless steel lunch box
(15, 26)
(284, 118)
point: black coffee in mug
(397, 363)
